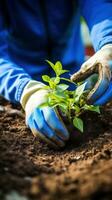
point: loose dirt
(30, 170)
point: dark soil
(29, 168)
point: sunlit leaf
(51, 64)
(58, 66)
(46, 78)
(57, 80)
(52, 84)
(79, 91)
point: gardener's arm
(17, 86)
(12, 77)
(98, 15)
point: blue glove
(97, 73)
(44, 122)
(106, 97)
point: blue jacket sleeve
(98, 15)
(12, 78)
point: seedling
(70, 103)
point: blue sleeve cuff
(12, 80)
(21, 86)
(101, 34)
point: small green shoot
(70, 103)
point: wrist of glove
(44, 122)
(97, 73)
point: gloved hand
(44, 122)
(97, 72)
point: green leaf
(57, 80)
(51, 64)
(63, 87)
(63, 106)
(79, 91)
(59, 94)
(95, 109)
(78, 123)
(59, 69)
(51, 102)
(77, 109)
(46, 78)
(52, 84)
(92, 108)
(58, 66)
(64, 71)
